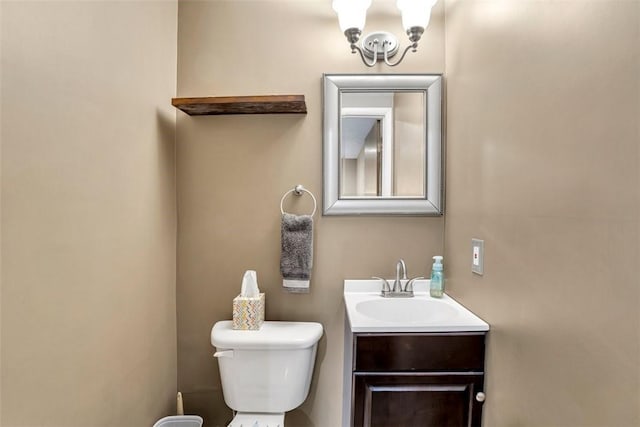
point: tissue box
(248, 312)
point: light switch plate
(477, 256)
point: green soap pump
(436, 286)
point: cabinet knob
(480, 396)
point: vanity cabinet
(417, 379)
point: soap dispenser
(436, 287)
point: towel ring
(298, 191)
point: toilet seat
(255, 419)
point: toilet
(265, 372)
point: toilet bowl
(265, 372)
(248, 419)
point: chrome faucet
(397, 285)
(397, 291)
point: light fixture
(352, 15)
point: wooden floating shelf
(268, 104)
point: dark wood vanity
(416, 379)
(411, 362)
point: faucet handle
(385, 284)
(409, 286)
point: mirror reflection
(383, 145)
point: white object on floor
(179, 421)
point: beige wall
(232, 171)
(350, 181)
(409, 139)
(88, 213)
(1, 136)
(543, 164)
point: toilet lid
(248, 419)
(273, 335)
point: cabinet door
(417, 400)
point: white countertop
(438, 315)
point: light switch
(477, 256)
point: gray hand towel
(296, 258)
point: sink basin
(368, 311)
(406, 310)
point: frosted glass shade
(351, 13)
(415, 13)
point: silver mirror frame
(333, 86)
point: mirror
(382, 144)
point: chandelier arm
(413, 46)
(355, 48)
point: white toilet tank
(268, 370)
